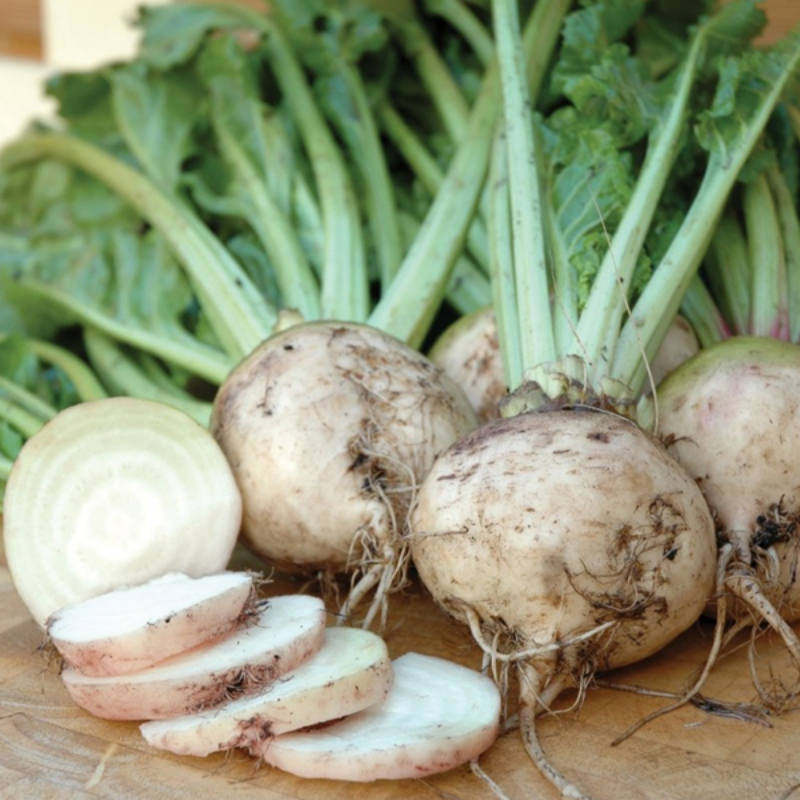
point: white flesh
(351, 672)
(135, 627)
(112, 493)
(289, 630)
(437, 716)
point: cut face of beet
(288, 630)
(116, 492)
(351, 672)
(133, 628)
(437, 716)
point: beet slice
(437, 716)
(351, 672)
(132, 628)
(288, 630)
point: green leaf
(11, 441)
(749, 88)
(83, 100)
(17, 361)
(589, 33)
(19, 312)
(173, 32)
(589, 180)
(330, 34)
(244, 142)
(125, 283)
(663, 33)
(156, 113)
(20, 365)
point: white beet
(731, 416)
(288, 630)
(112, 493)
(132, 628)
(437, 716)
(329, 427)
(570, 542)
(351, 672)
(469, 352)
(680, 343)
(550, 524)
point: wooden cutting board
(52, 750)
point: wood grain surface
(52, 750)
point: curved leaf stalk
(239, 315)
(345, 283)
(123, 376)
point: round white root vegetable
(112, 493)
(731, 416)
(438, 715)
(351, 672)
(329, 428)
(469, 352)
(288, 630)
(679, 344)
(570, 542)
(133, 628)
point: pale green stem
(408, 307)
(605, 307)
(464, 20)
(296, 281)
(123, 376)
(702, 313)
(199, 359)
(153, 370)
(428, 172)
(27, 401)
(367, 152)
(527, 222)
(433, 71)
(18, 418)
(565, 293)
(345, 284)
(769, 310)
(308, 219)
(424, 166)
(790, 228)
(468, 289)
(727, 268)
(661, 298)
(83, 380)
(502, 264)
(645, 329)
(539, 39)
